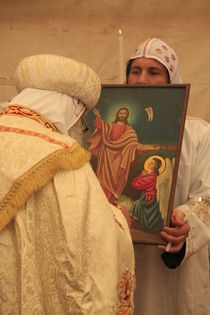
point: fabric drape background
(88, 32)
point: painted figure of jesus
(115, 145)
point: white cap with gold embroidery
(60, 74)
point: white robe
(67, 250)
(184, 290)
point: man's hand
(177, 234)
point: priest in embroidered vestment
(64, 249)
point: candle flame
(120, 32)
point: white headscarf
(61, 109)
(157, 49)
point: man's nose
(143, 78)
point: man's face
(122, 115)
(147, 71)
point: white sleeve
(197, 208)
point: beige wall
(87, 30)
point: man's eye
(135, 71)
(154, 72)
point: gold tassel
(37, 177)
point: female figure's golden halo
(149, 160)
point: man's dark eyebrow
(150, 68)
(155, 68)
(135, 67)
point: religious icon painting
(135, 136)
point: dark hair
(157, 165)
(116, 119)
(128, 69)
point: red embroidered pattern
(20, 110)
(171, 68)
(158, 50)
(124, 290)
(120, 225)
(167, 59)
(173, 57)
(34, 134)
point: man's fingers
(176, 234)
(172, 248)
(175, 248)
(162, 247)
(173, 239)
(177, 231)
(177, 218)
